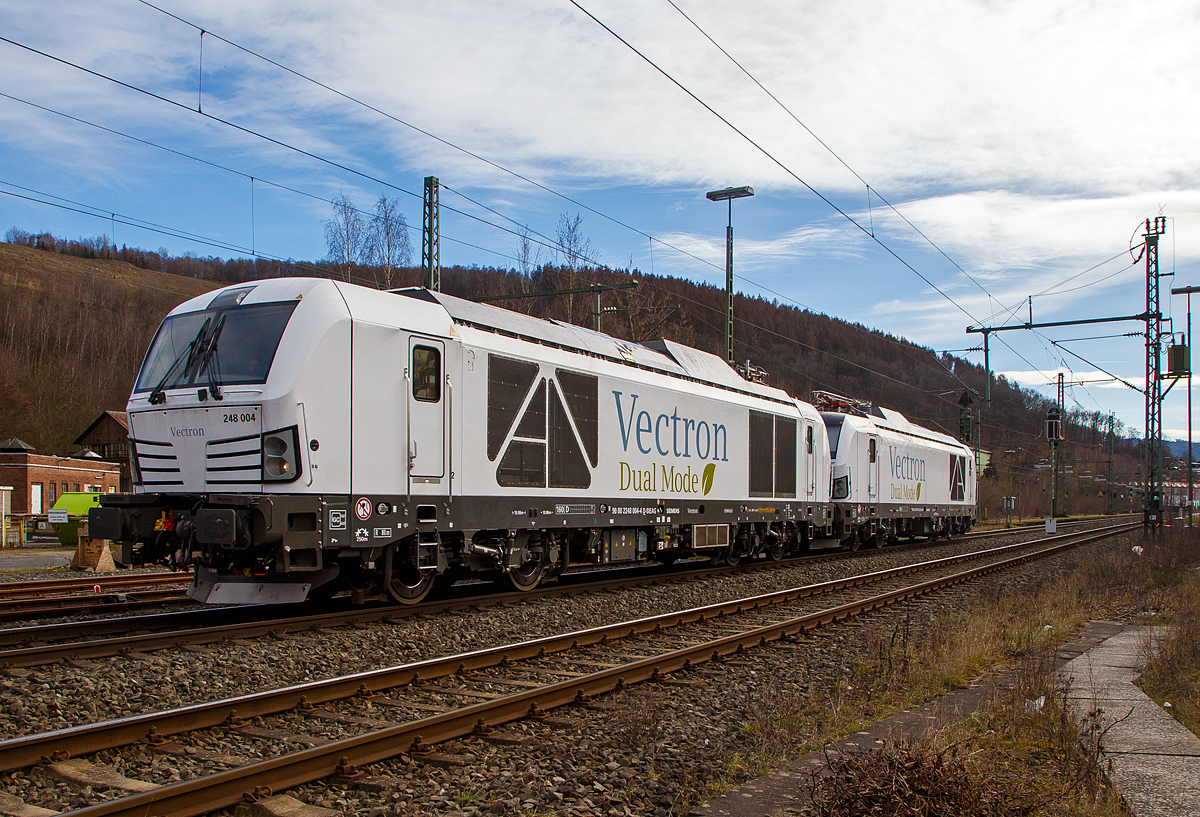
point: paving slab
(1155, 760)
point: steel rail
(227, 788)
(109, 644)
(87, 583)
(16, 609)
(88, 738)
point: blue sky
(1028, 140)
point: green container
(76, 504)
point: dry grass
(1048, 764)
(1173, 670)
(1022, 755)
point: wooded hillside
(72, 335)
(73, 330)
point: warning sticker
(362, 508)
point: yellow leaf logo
(707, 478)
(918, 491)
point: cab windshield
(241, 352)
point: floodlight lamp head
(730, 193)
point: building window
(51, 499)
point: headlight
(135, 470)
(841, 488)
(281, 455)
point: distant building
(108, 437)
(39, 479)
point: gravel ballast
(651, 750)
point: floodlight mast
(729, 194)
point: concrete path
(1155, 760)
(34, 558)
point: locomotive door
(873, 469)
(427, 399)
(810, 463)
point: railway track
(59, 597)
(43, 644)
(85, 584)
(410, 708)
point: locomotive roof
(892, 420)
(660, 355)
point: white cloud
(1027, 138)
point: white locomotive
(892, 478)
(299, 436)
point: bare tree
(574, 247)
(574, 252)
(346, 236)
(527, 256)
(389, 245)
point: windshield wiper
(208, 360)
(157, 394)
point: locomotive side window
(567, 468)
(558, 462)
(508, 382)
(809, 439)
(427, 374)
(533, 423)
(581, 394)
(958, 482)
(524, 463)
(871, 449)
(523, 466)
(762, 432)
(785, 457)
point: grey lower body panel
(210, 587)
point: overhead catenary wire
(865, 183)
(441, 140)
(160, 229)
(380, 181)
(831, 151)
(546, 244)
(89, 210)
(496, 165)
(771, 157)
(468, 152)
(274, 141)
(1097, 367)
(175, 232)
(230, 247)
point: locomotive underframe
(284, 548)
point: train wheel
(880, 539)
(853, 542)
(775, 550)
(525, 577)
(409, 585)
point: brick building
(108, 436)
(39, 479)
